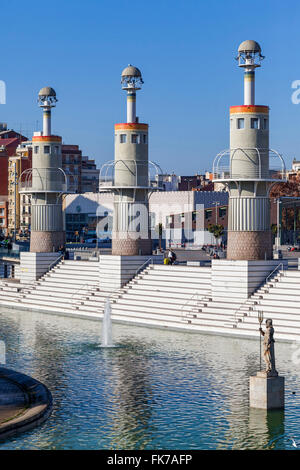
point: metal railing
(54, 263)
(78, 292)
(196, 297)
(240, 310)
(147, 262)
(224, 161)
(45, 179)
(273, 272)
(146, 171)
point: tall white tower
(131, 230)
(128, 178)
(46, 182)
(248, 175)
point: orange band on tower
(249, 109)
(46, 138)
(131, 126)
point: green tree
(216, 229)
(274, 229)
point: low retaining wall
(37, 408)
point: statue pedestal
(266, 392)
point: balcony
(249, 165)
(43, 180)
(132, 174)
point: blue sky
(185, 50)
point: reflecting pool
(158, 390)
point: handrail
(239, 309)
(142, 265)
(54, 262)
(79, 290)
(280, 264)
(196, 294)
(266, 280)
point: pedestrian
(172, 257)
(9, 246)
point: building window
(254, 123)
(46, 148)
(265, 123)
(222, 211)
(36, 149)
(135, 139)
(208, 213)
(240, 123)
(144, 138)
(123, 138)
(56, 149)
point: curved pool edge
(38, 408)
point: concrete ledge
(37, 409)
(266, 392)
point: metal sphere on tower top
(131, 78)
(47, 97)
(249, 54)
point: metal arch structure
(25, 181)
(106, 178)
(227, 169)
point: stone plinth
(116, 271)
(266, 392)
(256, 245)
(240, 279)
(34, 265)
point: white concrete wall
(239, 279)
(116, 271)
(34, 265)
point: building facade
(16, 209)
(89, 176)
(72, 165)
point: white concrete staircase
(278, 299)
(166, 296)
(10, 291)
(177, 297)
(63, 289)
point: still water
(158, 390)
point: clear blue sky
(186, 52)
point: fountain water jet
(106, 326)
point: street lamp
(278, 234)
(15, 183)
(217, 203)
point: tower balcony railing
(43, 180)
(249, 164)
(132, 174)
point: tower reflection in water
(132, 400)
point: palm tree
(216, 229)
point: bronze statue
(269, 353)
